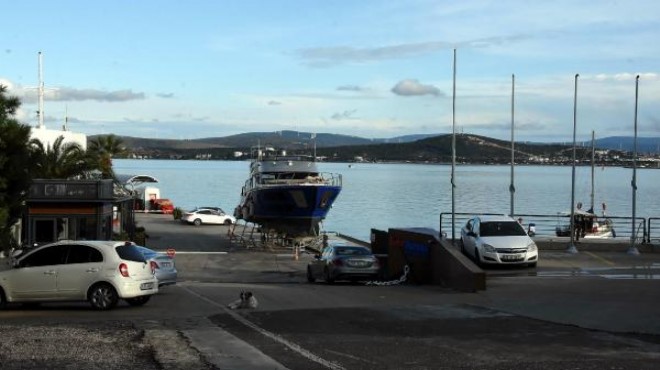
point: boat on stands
(286, 193)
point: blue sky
(194, 69)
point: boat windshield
(502, 228)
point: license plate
(165, 264)
(146, 286)
(358, 263)
(511, 257)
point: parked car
(101, 272)
(343, 262)
(498, 240)
(199, 216)
(163, 265)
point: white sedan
(215, 216)
(498, 240)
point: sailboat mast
(512, 188)
(571, 247)
(453, 151)
(41, 93)
(593, 163)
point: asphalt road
(592, 310)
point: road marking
(601, 259)
(294, 347)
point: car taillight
(123, 269)
(338, 262)
(154, 266)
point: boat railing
(546, 225)
(323, 178)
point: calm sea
(383, 196)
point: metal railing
(546, 225)
(653, 230)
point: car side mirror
(472, 234)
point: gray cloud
(351, 88)
(328, 56)
(165, 95)
(347, 114)
(69, 94)
(274, 102)
(412, 87)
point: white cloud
(412, 87)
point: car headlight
(532, 247)
(489, 248)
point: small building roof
(135, 180)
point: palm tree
(103, 148)
(60, 161)
(15, 167)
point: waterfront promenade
(591, 310)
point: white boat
(589, 225)
(286, 193)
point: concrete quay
(591, 310)
(572, 300)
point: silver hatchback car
(498, 240)
(101, 272)
(343, 262)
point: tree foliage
(15, 166)
(103, 149)
(61, 161)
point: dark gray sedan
(343, 262)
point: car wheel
(3, 300)
(310, 276)
(533, 264)
(227, 222)
(197, 222)
(138, 301)
(103, 296)
(328, 277)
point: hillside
(436, 149)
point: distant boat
(286, 193)
(591, 227)
(588, 223)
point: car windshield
(352, 251)
(502, 228)
(130, 252)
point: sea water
(382, 196)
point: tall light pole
(571, 247)
(633, 249)
(453, 152)
(512, 188)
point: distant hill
(422, 147)
(626, 143)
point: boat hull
(292, 209)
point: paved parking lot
(592, 310)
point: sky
(374, 69)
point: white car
(498, 240)
(101, 272)
(215, 216)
